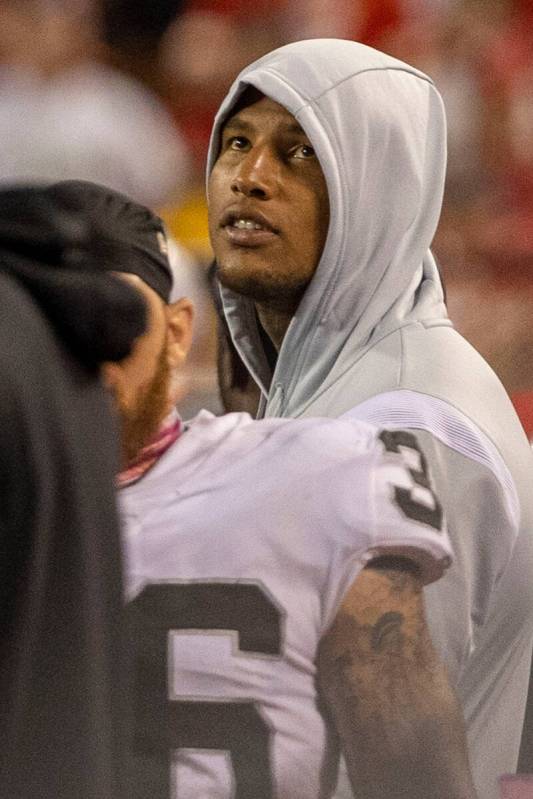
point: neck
(168, 432)
(274, 322)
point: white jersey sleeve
(390, 508)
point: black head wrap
(63, 257)
(131, 238)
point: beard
(140, 422)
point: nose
(256, 175)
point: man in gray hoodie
(326, 174)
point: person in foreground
(274, 574)
(63, 711)
(326, 173)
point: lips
(247, 227)
(234, 215)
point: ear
(179, 331)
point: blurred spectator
(362, 20)
(133, 33)
(44, 36)
(523, 403)
(507, 82)
(495, 316)
(63, 114)
(203, 51)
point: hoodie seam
(425, 78)
(308, 100)
(402, 350)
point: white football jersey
(240, 546)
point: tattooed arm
(399, 723)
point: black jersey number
(162, 725)
(405, 498)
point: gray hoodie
(371, 338)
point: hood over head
(378, 128)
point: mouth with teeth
(247, 224)
(248, 231)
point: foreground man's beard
(140, 422)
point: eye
(237, 143)
(303, 151)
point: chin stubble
(278, 290)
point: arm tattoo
(386, 693)
(378, 630)
(387, 630)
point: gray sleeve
(483, 534)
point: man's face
(143, 384)
(268, 206)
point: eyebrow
(236, 122)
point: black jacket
(63, 665)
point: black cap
(131, 238)
(57, 255)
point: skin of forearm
(399, 723)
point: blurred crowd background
(123, 92)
